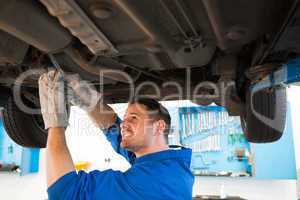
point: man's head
(146, 125)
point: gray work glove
(52, 99)
(82, 93)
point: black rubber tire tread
(267, 103)
(22, 128)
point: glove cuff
(55, 120)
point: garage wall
(260, 189)
(294, 98)
(86, 144)
(13, 186)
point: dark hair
(157, 111)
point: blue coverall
(163, 175)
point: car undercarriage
(188, 49)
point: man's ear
(160, 126)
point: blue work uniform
(164, 175)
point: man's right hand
(84, 95)
(81, 93)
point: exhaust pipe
(116, 75)
(29, 21)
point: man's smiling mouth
(127, 134)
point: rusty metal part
(71, 15)
(107, 72)
(76, 56)
(258, 72)
(139, 47)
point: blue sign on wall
(220, 148)
(217, 140)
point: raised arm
(53, 108)
(103, 116)
(84, 95)
(59, 160)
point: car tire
(271, 103)
(25, 129)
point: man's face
(137, 128)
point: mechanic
(157, 172)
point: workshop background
(90, 150)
